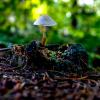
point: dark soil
(52, 72)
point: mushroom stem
(43, 40)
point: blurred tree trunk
(73, 17)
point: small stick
(4, 49)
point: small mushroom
(44, 21)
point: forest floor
(29, 75)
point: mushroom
(44, 21)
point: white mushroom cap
(45, 20)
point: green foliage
(76, 23)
